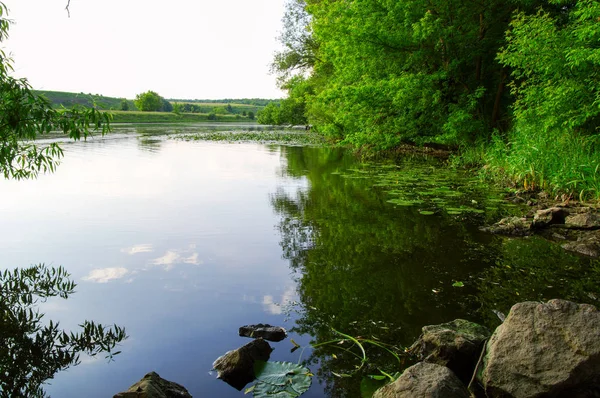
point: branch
(67, 8)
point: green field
(170, 117)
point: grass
(170, 117)
(566, 165)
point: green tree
(270, 114)
(124, 105)
(251, 115)
(166, 106)
(149, 101)
(24, 116)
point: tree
(24, 116)
(251, 115)
(149, 101)
(124, 105)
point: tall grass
(559, 162)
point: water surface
(183, 242)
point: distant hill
(232, 106)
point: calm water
(183, 242)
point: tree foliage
(24, 116)
(150, 101)
(31, 352)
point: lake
(182, 242)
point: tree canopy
(522, 74)
(150, 101)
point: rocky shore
(540, 350)
(575, 227)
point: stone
(264, 331)
(584, 220)
(587, 244)
(426, 380)
(236, 367)
(544, 350)
(546, 217)
(515, 226)
(456, 345)
(154, 386)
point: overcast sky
(188, 49)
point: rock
(553, 215)
(587, 244)
(456, 345)
(424, 380)
(544, 349)
(236, 367)
(515, 226)
(583, 220)
(265, 331)
(154, 386)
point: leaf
(458, 284)
(281, 379)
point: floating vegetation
(265, 137)
(432, 188)
(280, 379)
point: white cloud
(104, 275)
(172, 257)
(143, 248)
(276, 308)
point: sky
(182, 49)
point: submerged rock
(515, 226)
(544, 349)
(456, 345)
(236, 367)
(154, 386)
(264, 331)
(424, 380)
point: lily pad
(426, 212)
(281, 380)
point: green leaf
(281, 379)
(458, 284)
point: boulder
(583, 220)
(587, 243)
(154, 386)
(264, 331)
(236, 367)
(456, 345)
(546, 217)
(424, 380)
(515, 226)
(544, 350)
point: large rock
(154, 386)
(586, 219)
(546, 217)
(515, 226)
(544, 350)
(456, 345)
(587, 243)
(265, 331)
(424, 380)
(236, 367)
